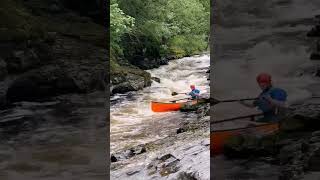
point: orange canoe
(165, 107)
(219, 137)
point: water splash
(133, 122)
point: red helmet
(192, 86)
(264, 78)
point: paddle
(178, 100)
(216, 101)
(235, 118)
(175, 93)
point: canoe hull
(166, 107)
(219, 138)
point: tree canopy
(160, 28)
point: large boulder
(41, 83)
(129, 82)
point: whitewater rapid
(133, 122)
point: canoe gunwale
(248, 127)
(170, 102)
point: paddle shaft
(235, 100)
(175, 93)
(179, 100)
(236, 118)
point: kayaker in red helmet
(270, 100)
(195, 93)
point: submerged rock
(156, 79)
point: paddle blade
(174, 93)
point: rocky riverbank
(51, 48)
(185, 156)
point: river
(252, 37)
(62, 138)
(133, 123)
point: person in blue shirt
(195, 93)
(271, 101)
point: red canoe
(165, 107)
(219, 137)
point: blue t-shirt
(194, 93)
(275, 93)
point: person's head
(264, 80)
(192, 87)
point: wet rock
(128, 153)
(163, 61)
(315, 134)
(171, 57)
(42, 83)
(287, 153)
(139, 149)
(187, 176)
(22, 60)
(156, 79)
(166, 157)
(113, 158)
(180, 130)
(164, 165)
(148, 62)
(129, 82)
(130, 173)
(314, 32)
(315, 56)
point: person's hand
(267, 97)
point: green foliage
(16, 22)
(176, 27)
(186, 45)
(120, 23)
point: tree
(120, 23)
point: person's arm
(197, 93)
(275, 102)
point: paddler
(195, 93)
(271, 100)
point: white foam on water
(174, 77)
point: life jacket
(275, 93)
(194, 93)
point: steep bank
(51, 48)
